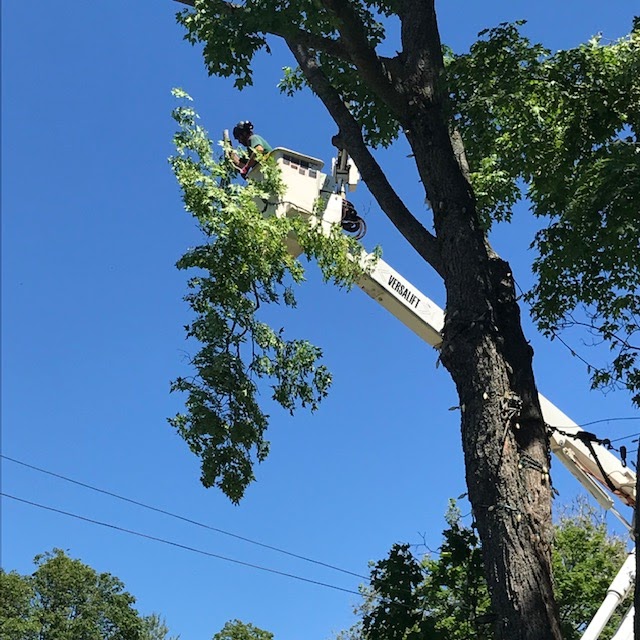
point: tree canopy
(522, 110)
(238, 630)
(65, 599)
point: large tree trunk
(506, 460)
(503, 434)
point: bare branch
(350, 132)
(377, 74)
(421, 46)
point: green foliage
(395, 611)
(447, 597)
(238, 630)
(18, 619)
(66, 599)
(154, 627)
(496, 83)
(234, 34)
(379, 126)
(454, 588)
(585, 560)
(243, 267)
(564, 128)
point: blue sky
(92, 319)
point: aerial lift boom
(601, 473)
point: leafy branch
(243, 267)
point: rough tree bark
(484, 349)
(504, 436)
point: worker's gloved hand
(244, 171)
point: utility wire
(588, 424)
(633, 435)
(386, 600)
(180, 546)
(200, 524)
(183, 518)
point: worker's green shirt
(258, 141)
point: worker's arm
(235, 159)
(256, 151)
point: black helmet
(244, 126)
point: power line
(183, 518)
(633, 435)
(607, 441)
(195, 522)
(588, 424)
(180, 546)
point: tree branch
(419, 35)
(350, 132)
(377, 75)
(302, 44)
(291, 33)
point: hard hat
(242, 126)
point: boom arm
(594, 466)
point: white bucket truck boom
(594, 466)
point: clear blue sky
(92, 332)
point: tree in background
(65, 599)
(446, 597)
(585, 560)
(372, 99)
(17, 613)
(154, 627)
(238, 630)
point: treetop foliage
(233, 33)
(65, 599)
(238, 630)
(562, 129)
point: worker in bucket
(256, 147)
